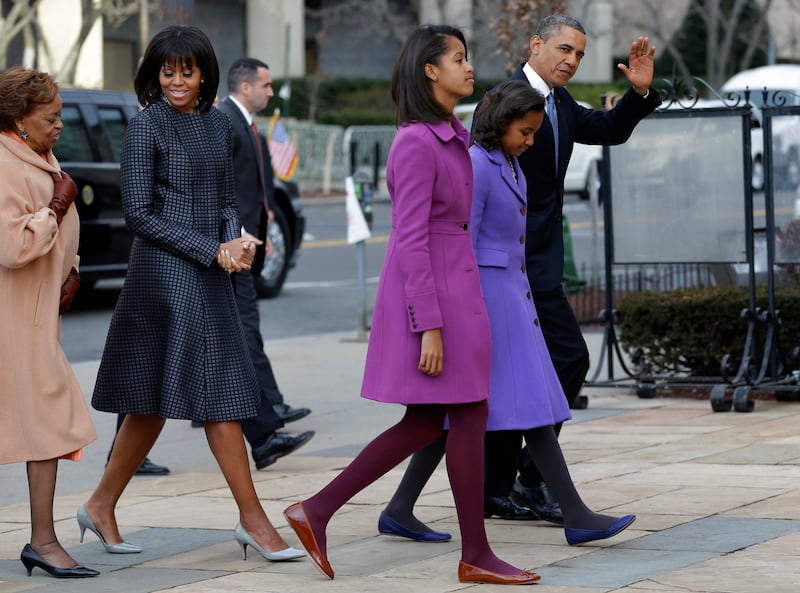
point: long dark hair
(411, 90)
(183, 46)
(502, 105)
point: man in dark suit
(250, 88)
(557, 47)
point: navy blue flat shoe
(388, 526)
(581, 536)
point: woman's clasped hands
(237, 255)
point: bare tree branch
(89, 15)
(654, 23)
(22, 12)
(515, 25)
(757, 33)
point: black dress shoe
(278, 445)
(539, 500)
(504, 508)
(148, 468)
(289, 414)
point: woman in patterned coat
(430, 347)
(43, 416)
(175, 348)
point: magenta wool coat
(430, 277)
(525, 391)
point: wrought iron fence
(589, 299)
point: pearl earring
(24, 135)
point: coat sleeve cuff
(423, 312)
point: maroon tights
(420, 426)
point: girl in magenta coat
(430, 346)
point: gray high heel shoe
(85, 522)
(245, 540)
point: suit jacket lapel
(244, 128)
(543, 137)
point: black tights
(542, 447)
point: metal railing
(326, 153)
(589, 299)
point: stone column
(457, 13)
(597, 17)
(276, 35)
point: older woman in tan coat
(43, 416)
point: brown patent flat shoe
(298, 521)
(472, 574)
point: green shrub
(690, 330)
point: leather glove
(64, 194)
(68, 290)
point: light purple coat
(430, 277)
(525, 391)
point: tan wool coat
(43, 414)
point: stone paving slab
(717, 498)
(718, 535)
(614, 568)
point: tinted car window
(114, 123)
(74, 143)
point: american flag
(281, 150)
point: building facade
(297, 37)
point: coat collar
(447, 131)
(236, 113)
(22, 152)
(496, 157)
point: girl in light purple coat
(525, 392)
(430, 345)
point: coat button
(528, 295)
(522, 268)
(466, 226)
(523, 211)
(522, 240)
(536, 322)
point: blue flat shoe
(581, 536)
(388, 526)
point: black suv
(89, 150)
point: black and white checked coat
(176, 346)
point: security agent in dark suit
(556, 47)
(250, 88)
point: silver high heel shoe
(245, 540)
(85, 522)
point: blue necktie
(551, 113)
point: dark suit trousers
(256, 430)
(570, 356)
